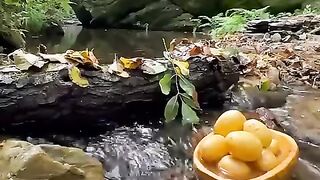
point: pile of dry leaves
(20, 61)
(290, 60)
(265, 60)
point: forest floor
(272, 51)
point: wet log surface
(50, 99)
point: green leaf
(165, 84)
(189, 116)
(171, 109)
(12, 2)
(190, 102)
(187, 86)
(265, 85)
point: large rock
(163, 14)
(11, 40)
(155, 14)
(24, 161)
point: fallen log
(304, 23)
(50, 99)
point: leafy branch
(186, 95)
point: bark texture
(50, 98)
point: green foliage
(308, 9)
(165, 84)
(186, 95)
(32, 15)
(232, 21)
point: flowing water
(165, 151)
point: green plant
(308, 9)
(186, 94)
(32, 15)
(230, 22)
(39, 12)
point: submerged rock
(24, 161)
(300, 117)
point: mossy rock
(24, 161)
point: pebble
(276, 37)
(303, 36)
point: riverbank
(272, 62)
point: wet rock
(300, 117)
(141, 14)
(124, 14)
(22, 160)
(252, 98)
(172, 17)
(52, 29)
(306, 170)
(11, 40)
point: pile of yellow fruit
(239, 148)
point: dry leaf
(206, 50)
(74, 57)
(52, 67)
(75, 76)
(93, 57)
(196, 50)
(173, 44)
(286, 54)
(216, 52)
(54, 57)
(85, 57)
(24, 60)
(183, 66)
(130, 63)
(7, 69)
(150, 66)
(185, 41)
(118, 69)
(262, 62)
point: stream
(164, 151)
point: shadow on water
(127, 43)
(155, 151)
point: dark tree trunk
(51, 100)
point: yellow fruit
(287, 159)
(229, 121)
(274, 146)
(260, 130)
(213, 148)
(267, 161)
(234, 168)
(244, 146)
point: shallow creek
(159, 151)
